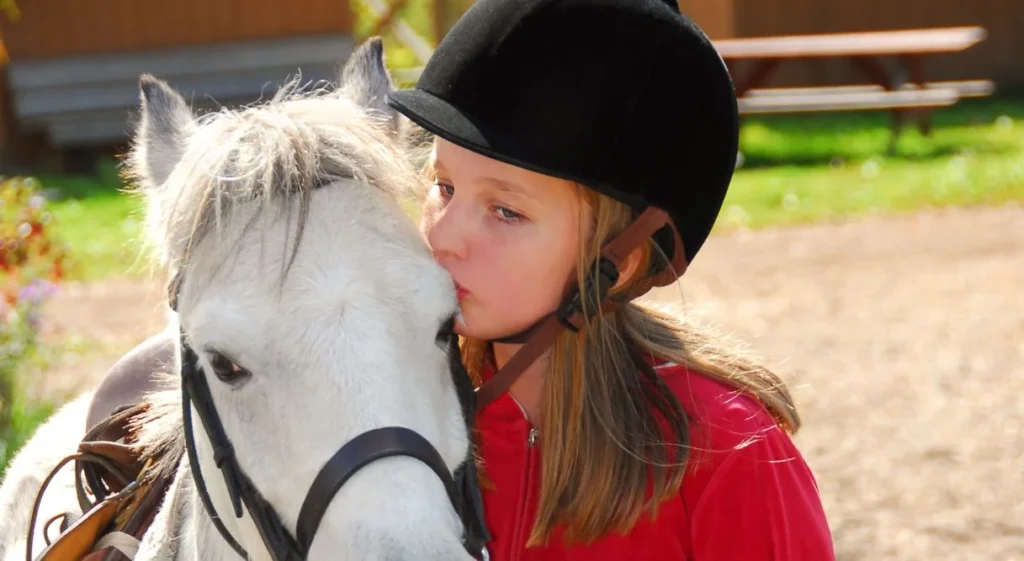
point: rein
(462, 487)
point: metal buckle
(590, 304)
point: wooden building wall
(52, 28)
(58, 29)
(1000, 57)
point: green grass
(812, 168)
(100, 224)
(21, 409)
(26, 416)
(984, 125)
(796, 169)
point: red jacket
(756, 503)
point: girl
(582, 152)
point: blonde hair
(604, 439)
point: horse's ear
(365, 79)
(165, 122)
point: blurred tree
(446, 13)
(10, 9)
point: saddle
(118, 493)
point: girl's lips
(460, 291)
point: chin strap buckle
(595, 288)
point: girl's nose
(447, 235)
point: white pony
(314, 306)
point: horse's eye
(226, 370)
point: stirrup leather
(118, 496)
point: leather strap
(362, 450)
(543, 337)
(476, 535)
(639, 231)
(190, 377)
(126, 498)
(368, 447)
(645, 226)
(121, 466)
(80, 537)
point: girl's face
(508, 236)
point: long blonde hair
(603, 439)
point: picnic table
(899, 90)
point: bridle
(462, 486)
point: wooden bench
(897, 91)
(963, 89)
(842, 100)
(859, 97)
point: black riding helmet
(627, 97)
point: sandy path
(904, 339)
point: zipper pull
(532, 439)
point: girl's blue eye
(507, 215)
(447, 190)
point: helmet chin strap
(576, 309)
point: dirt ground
(903, 340)
(92, 325)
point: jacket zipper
(519, 543)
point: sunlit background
(871, 248)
